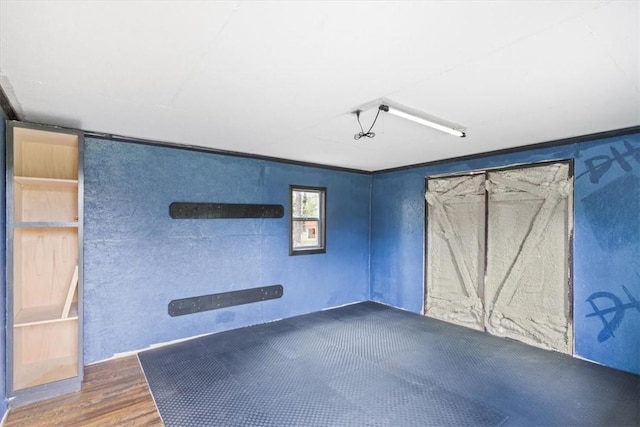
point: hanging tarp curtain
(498, 251)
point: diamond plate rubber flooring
(372, 365)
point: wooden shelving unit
(44, 259)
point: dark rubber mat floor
(372, 365)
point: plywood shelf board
(44, 315)
(46, 224)
(45, 182)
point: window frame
(322, 221)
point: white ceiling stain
(282, 78)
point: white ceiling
(282, 78)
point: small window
(308, 207)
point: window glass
(307, 220)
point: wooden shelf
(45, 182)
(45, 200)
(43, 315)
(46, 154)
(44, 218)
(46, 224)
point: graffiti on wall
(612, 209)
(598, 166)
(613, 212)
(612, 314)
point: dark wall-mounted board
(186, 210)
(180, 307)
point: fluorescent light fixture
(422, 120)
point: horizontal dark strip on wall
(187, 210)
(548, 144)
(180, 307)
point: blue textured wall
(606, 242)
(607, 257)
(3, 258)
(137, 258)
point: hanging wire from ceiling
(368, 133)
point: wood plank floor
(114, 393)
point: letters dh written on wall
(607, 261)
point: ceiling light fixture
(421, 120)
